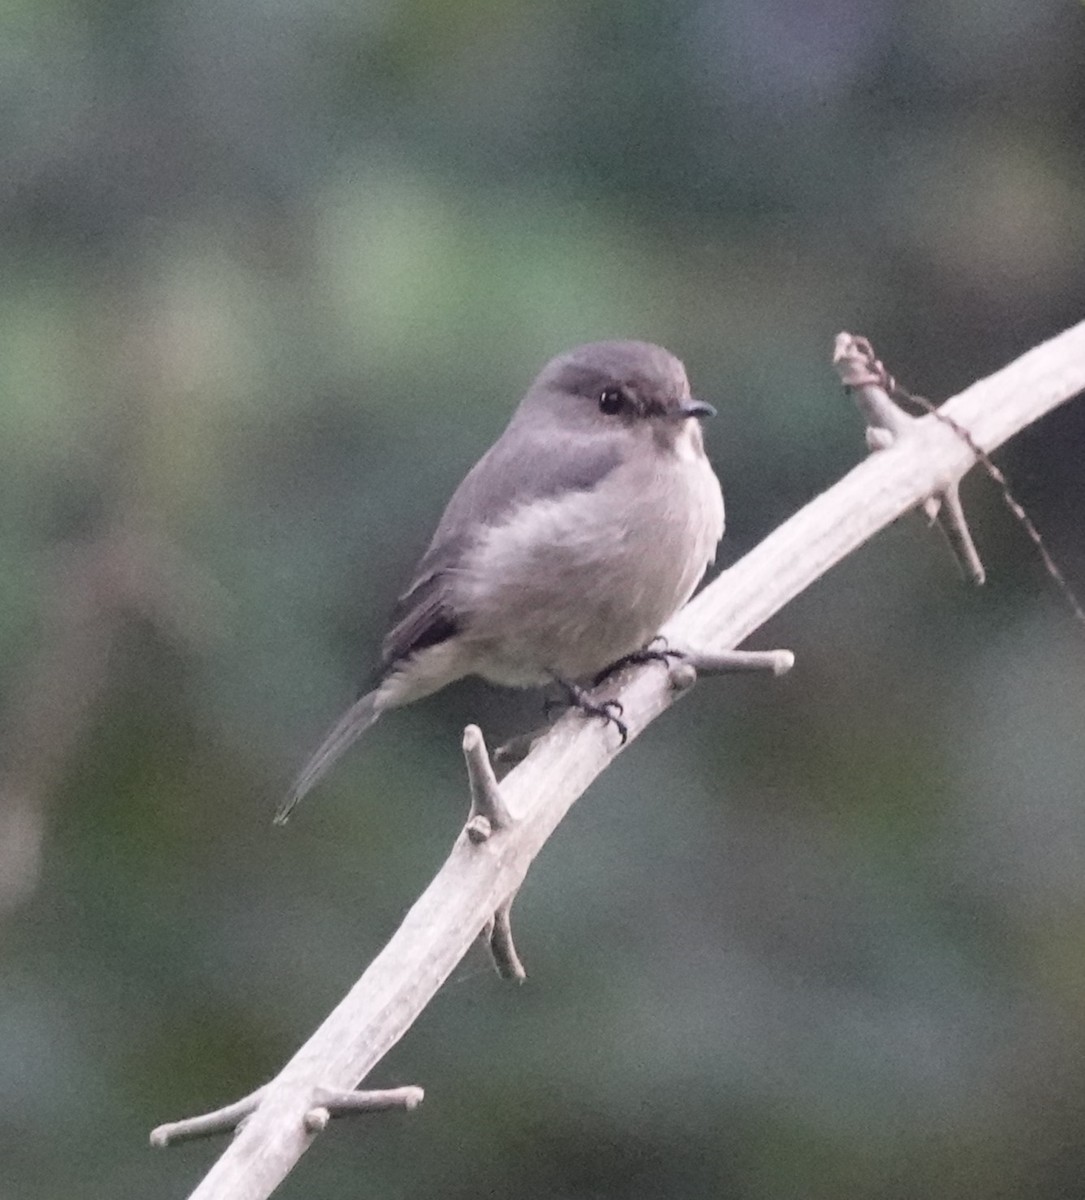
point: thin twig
(328, 1104)
(498, 935)
(222, 1120)
(684, 666)
(950, 519)
(488, 812)
(730, 662)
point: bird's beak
(695, 408)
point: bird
(578, 534)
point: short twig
(779, 662)
(707, 662)
(949, 516)
(222, 1120)
(688, 665)
(488, 812)
(684, 666)
(866, 378)
(328, 1104)
(498, 936)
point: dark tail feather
(350, 726)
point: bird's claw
(610, 711)
(657, 650)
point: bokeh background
(273, 276)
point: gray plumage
(575, 537)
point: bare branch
(477, 879)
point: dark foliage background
(272, 276)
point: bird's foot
(579, 698)
(657, 650)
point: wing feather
(519, 468)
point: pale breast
(567, 585)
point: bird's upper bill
(695, 408)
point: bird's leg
(657, 650)
(608, 710)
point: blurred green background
(273, 275)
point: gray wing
(517, 469)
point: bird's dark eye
(611, 401)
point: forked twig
(489, 815)
(871, 384)
(861, 369)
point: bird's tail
(350, 726)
